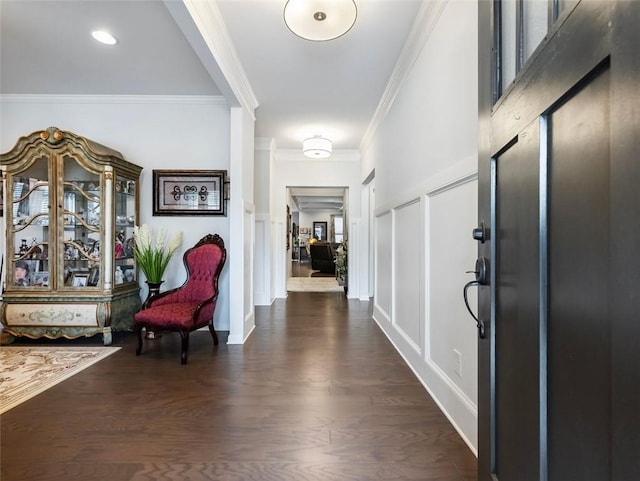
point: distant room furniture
(303, 254)
(322, 257)
(190, 306)
(299, 253)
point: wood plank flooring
(317, 393)
(301, 269)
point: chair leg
(213, 334)
(139, 346)
(185, 347)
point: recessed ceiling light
(105, 37)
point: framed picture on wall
(288, 227)
(320, 230)
(189, 192)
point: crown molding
(213, 31)
(114, 99)
(421, 30)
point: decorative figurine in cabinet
(70, 206)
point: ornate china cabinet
(70, 206)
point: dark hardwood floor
(317, 393)
(301, 269)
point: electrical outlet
(457, 367)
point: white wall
(262, 260)
(155, 132)
(425, 159)
(309, 217)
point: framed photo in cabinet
(80, 279)
(94, 276)
(41, 279)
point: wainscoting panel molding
(262, 272)
(423, 248)
(383, 254)
(407, 273)
(452, 252)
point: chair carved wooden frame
(190, 306)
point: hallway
(317, 393)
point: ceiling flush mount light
(317, 147)
(320, 20)
(105, 37)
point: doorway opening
(316, 227)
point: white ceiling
(318, 198)
(302, 87)
(46, 48)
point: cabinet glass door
(125, 214)
(29, 223)
(81, 225)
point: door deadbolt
(480, 233)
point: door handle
(481, 274)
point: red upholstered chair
(190, 306)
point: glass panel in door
(29, 224)
(534, 22)
(125, 197)
(81, 219)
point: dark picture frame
(320, 230)
(288, 227)
(189, 192)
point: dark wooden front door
(559, 169)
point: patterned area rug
(28, 370)
(313, 284)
